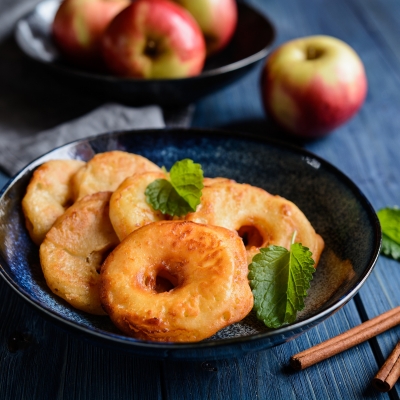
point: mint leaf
(163, 196)
(187, 179)
(390, 248)
(389, 219)
(179, 195)
(279, 279)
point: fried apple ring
(106, 171)
(260, 218)
(129, 209)
(74, 249)
(205, 266)
(47, 196)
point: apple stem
(151, 48)
(313, 53)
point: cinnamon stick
(346, 340)
(388, 375)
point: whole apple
(154, 39)
(217, 20)
(79, 25)
(313, 84)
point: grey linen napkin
(16, 152)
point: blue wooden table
(40, 361)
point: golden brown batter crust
(74, 249)
(47, 196)
(205, 265)
(129, 209)
(106, 171)
(261, 218)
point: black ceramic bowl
(251, 42)
(334, 205)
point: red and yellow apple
(154, 39)
(312, 85)
(216, 18)
(79, 25)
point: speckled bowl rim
(134, 343)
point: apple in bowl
(312, 85)
(217, 20)
(154, 39)
(79, 25)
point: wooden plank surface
(46, 362)
(38, 360)
(367, 148)
(380, 179)
(266, 375)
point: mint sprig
(389, 219)
(181, 193)
(279, 279)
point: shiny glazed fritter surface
(129, 209)
(205, 267)
(74, 249)
(47, 196)
(106, 171)
(259, 217)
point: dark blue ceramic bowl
(334, 205)
(250, 44)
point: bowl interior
(333, 204)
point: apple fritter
(106, 171)
(260, 218)
(47, 196)
(176, 281)
(129, 209)
(74, 249)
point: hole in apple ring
(250, 236)
(164, 281)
